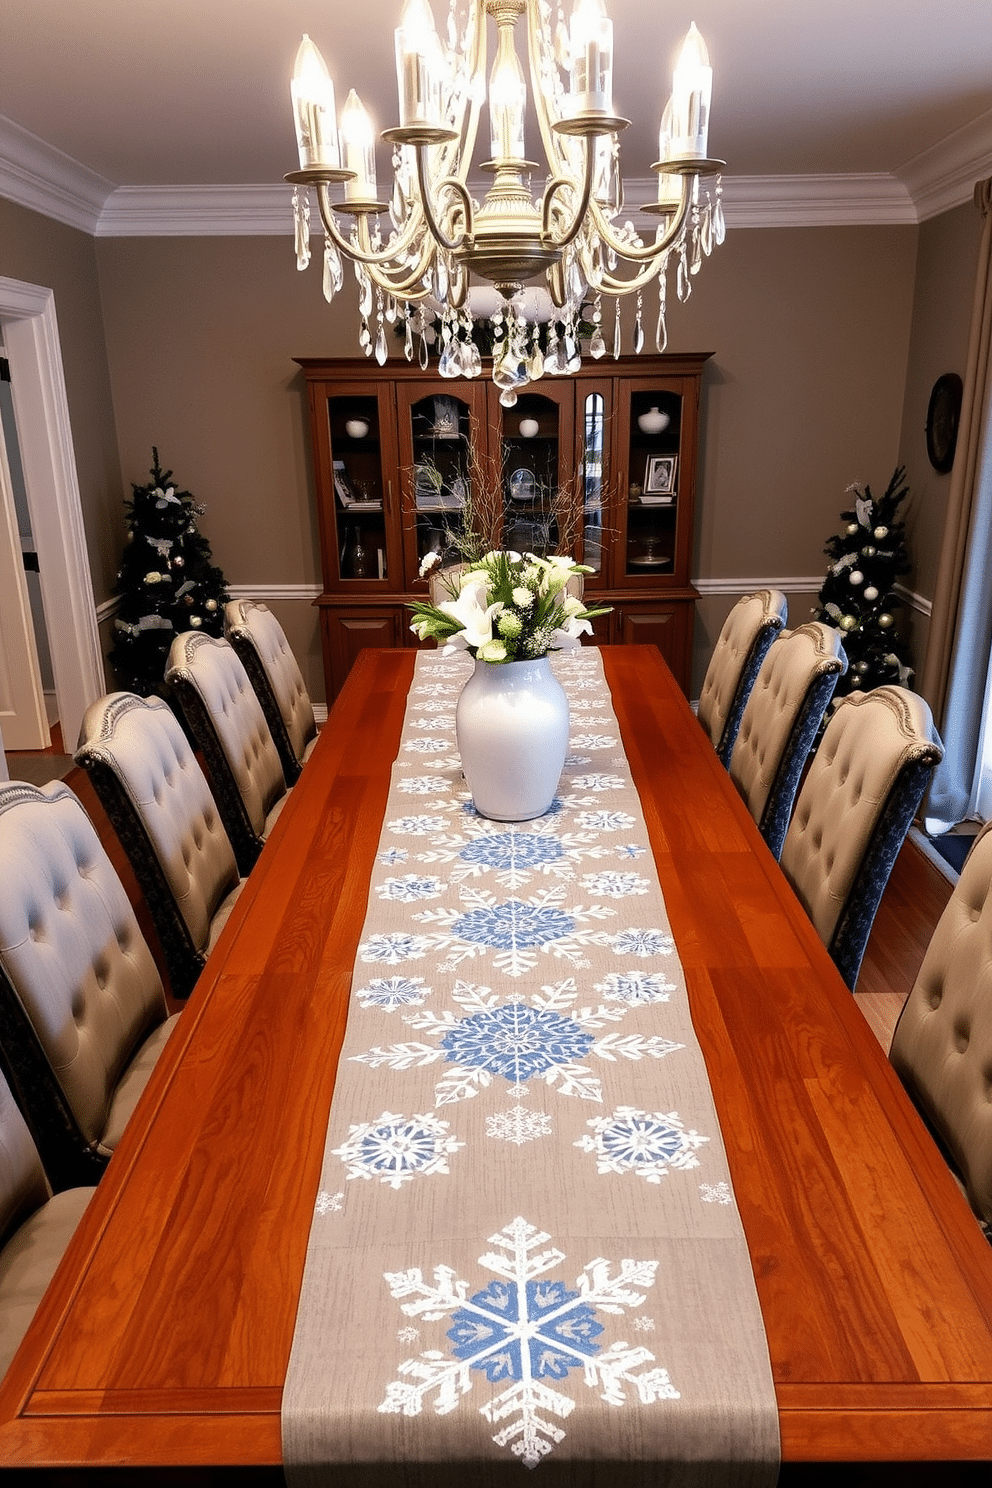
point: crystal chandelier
(415, 255)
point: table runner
(525, 1249)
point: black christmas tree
(858, 595)
(167, 582)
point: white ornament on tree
(871, 592)
(857, 577)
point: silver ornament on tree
(885, 621)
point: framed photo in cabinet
(659, 476)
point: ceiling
(194, 93)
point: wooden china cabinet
(603, 461)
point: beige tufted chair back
(795, 682)
(747, 633)
(82, 1011)
(155, 794)
(34, 1227)
(261, 643)
(226, 719)
(942, 1046)
(866, 781)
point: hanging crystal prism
(616, 332)
(381, 352)
(333, 270)
(719, 224)
(301, 225)
(638, 326)
(683, 285)
(661, 329)
(408, 335)
(597, 345)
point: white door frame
(44, 434)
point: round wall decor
(943, 413)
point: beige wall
(809, 327)
(37, 251)
(946, 264)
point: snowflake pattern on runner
(424, 785)
(389, 993)
(511, 855)
(516, 931)
(396, 1149)
(613, 885)
(529, 1333)
(328, 1203)
(635, 987)
(715, 1193)
(647, 1143)
(547, 1039)
(518, 1125)
(428, 746)
(410, 887)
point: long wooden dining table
(164, 1339)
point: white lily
(476, 618)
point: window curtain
(956, 667)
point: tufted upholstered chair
(795, 683)
(747, 632)
(157, 797)
(35, 1226)
(261, 643)
(82, 1011)
(866, 781)
(226, 719)
(942, 1045)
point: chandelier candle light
(418, 263)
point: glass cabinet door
(356, 519)
(593, 491)
(539, 491)
(442, 438)
(649, 496)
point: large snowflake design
(516, 931)
(547, 1039)
(389, 993)
(396, 1149)
(647, 1143)
(511, 855)
(524, 1330)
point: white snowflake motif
(397, 1149)
(577, 759)
(427, 746)
(394, 948)
(546, 1039)
(715, 1193)
(513, 856)
(518, 1125)
(605, 821)
(444, 722)
(643, 943)
(592, 741)
(417, 826)
(410, 888)
(389, 993)
(596, 782)
(391, 855)
(407, 1335)
(631, 850)
(647, 1143)
(424, 785)
(517, 931)
(328, 1203)
(525, 1332)
(611, 885)
(434, 707)
(635, 987)
(643, 1324)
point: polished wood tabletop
(165, 1336)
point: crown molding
(944, 176)
(35, 175)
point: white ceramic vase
(511, 724)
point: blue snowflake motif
(640, 1138)
(643, 943)
(513, 925)
(612, 885)
(516, 1041)
(410, 888)
(634, 987)
(558, 1329)
(391, 855)
(389, 993)
(513, 850)
(631, 850)
(424, 785)
(397, 1147)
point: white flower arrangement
(506, 607)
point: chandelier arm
(368, 256)
(650, 251)
(554, 148)
(552, 190)
(450, 183)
